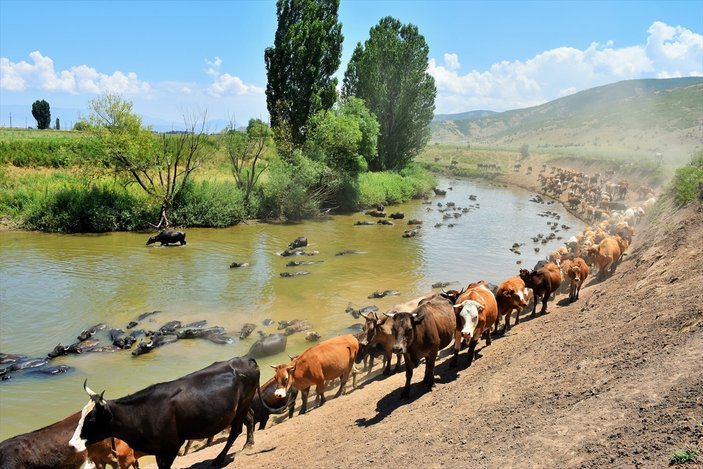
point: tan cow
(577, 271)
(512, 295)
(604, 255)
(333, 358)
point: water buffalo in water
(298, 243)
(269, 345)
(168, 237)
(397, 215)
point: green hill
(626, 118)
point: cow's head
(517, 297)
(371, 325)
(283, 377)
(152, 240)
(467, 317)
(451, 295)
(95, 422)
(403, 328)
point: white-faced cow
(476, 311)
(422, 333)
(160, 418)
(328, 360)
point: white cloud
(668, 52)
(41, 74)
(452, 61)
(226, 84)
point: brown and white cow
(543, 282)
(422, 333)
(577, 271)
(512, 295)
(476, 312)
(48, 448)
(333, 358)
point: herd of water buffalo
(159, 419)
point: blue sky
(172, 58)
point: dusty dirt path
(613, 380)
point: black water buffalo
(160, 418)
(269, 345)
(298, 243)
(168, 237)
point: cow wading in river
(422, 333)
(160, 418)
(168, 237)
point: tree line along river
(53, 286)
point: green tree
(57, 126)
(299, 67)
(245, 151)
(160, 164)
(42, 114)
(389, 72)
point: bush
(291, 191)
(687, 184)
(683, 456)
(389, 187)
(209, 204)
(81, 209)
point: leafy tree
(299, 67)
(245, 151)
(57, 126)
(524, 150)
(161, 165)
(42, 114)
(389, 72)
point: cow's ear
(506, 293)
(291, 369)
(418, 318)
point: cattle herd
(161, 418)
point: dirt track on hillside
(613, 380)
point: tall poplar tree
(389, 72)
(306, 53)
(42, 113)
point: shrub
(687, 184)
(683, 456)
(209, 204)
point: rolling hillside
(630, 117)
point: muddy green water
(53, 286)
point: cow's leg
(470, 354)
(343, 383)
(545, 299)
(234, 432)
(488, 337)
(429, 368)
(397, 362)
(166, 457)
(408, 376)
(250, 423)
(387, 360)
(534, 308)
(291, 406)
(320, 390)
(506, 326)
(304, 398)
(457, 349)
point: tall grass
(391, 188)
(687, 184)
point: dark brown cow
(422, 334)
(543, 282)
(512, 295)
(47, 448)
(476, 311)
(333, 358)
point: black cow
(168, 237)
(160, 418)
(299, 242)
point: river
(52, 286)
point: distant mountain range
(631, 117)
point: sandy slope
(613, 380)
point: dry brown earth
(613, 380)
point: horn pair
(97, 398)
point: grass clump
(683, 456)
(687, 184)
(390, 187)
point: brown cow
(422, 334)
(48, 448)
(476, 311)
(512, 295)
(378, 331)
(333, 358)
(604, 255)
(543, 282)
(577, 271)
